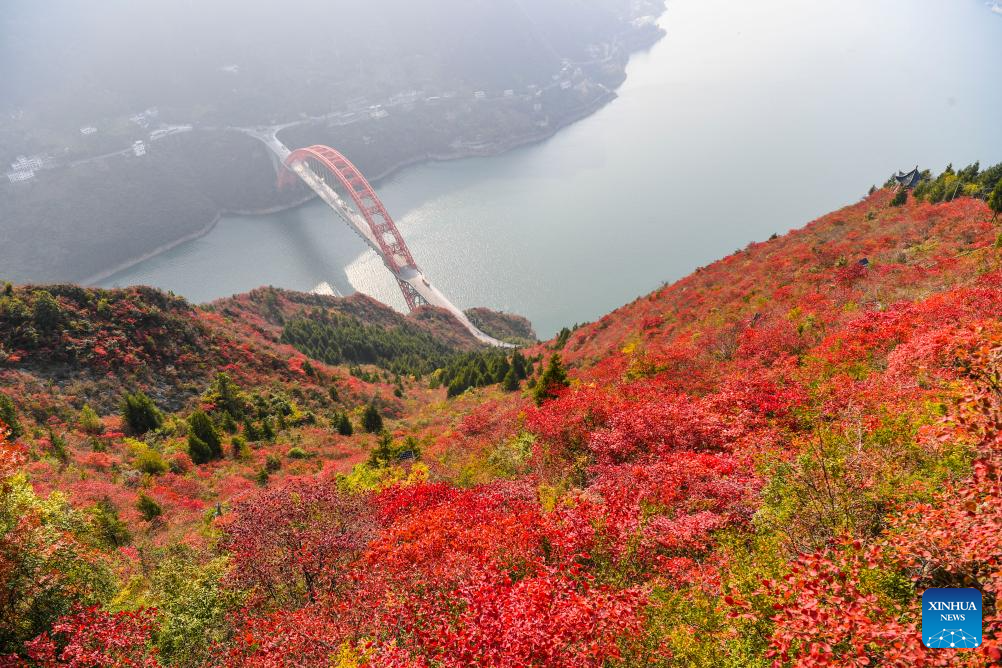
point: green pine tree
(267, 429)
(148, 508)
(553, 379)
(510, 382)
(108, 527)
(198, 450)
(372, 421)
(203, 433)
(140, 414)
(995, 200)
(344, 425)
(251, 432)
(8, 416)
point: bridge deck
(409, 275)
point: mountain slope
(764, 463)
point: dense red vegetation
(765, 463)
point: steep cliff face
(781, 450)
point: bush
(46, 310)
(150, 461)
(199, 450)
(107, 526)
(192, 603)
(553, 379)
(89, 422)
(140, 414)
(180, 463)
(204, 442)
(148, 508)
(49, 564)
(344, 425)
(8, 416)
(995, 200)
(239, 447)
(372, 421)
(900, 198)
(297, 453)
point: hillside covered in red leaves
(763, 464)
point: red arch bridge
(343, 187)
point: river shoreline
(388, 173)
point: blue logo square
(951, 618)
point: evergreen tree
(510, 383)
(148, 508)
(995, 201)
(198, 450)
(251, 432)
(562, 337)
(900, 198)
(372, 421)
(107, 526)
(267, 429)
(384, 452)
(344, 425)
(239, 447)
(553, 379)
(229, 424)
(520, 364)
(57, 446)
(226, 396)
(140, 414)
(456, 388)
(204, 442)
(8, 416)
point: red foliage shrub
(313, 531)
(91, 637)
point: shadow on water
(312, 255)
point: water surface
(749, 118)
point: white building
(479, 95)
(17, 176)
(88, 130)
(139, 148)
(31, 163)
(509, 93)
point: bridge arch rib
(333, 167)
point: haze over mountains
(389, 82)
